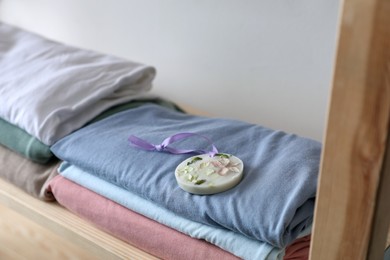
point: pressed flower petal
(223, 155)
(199, 182)
(223, 171)
(234, 169)
(224, 161)
(209, 172)
(204, 165)
(234, 164)
(217, 164)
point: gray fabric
(31, 177)
(50, 89)
(273, 203)
(387, 254)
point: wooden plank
(21, 238)
(69, 226)
(350, 214)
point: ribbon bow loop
(163, 147)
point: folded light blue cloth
(232, 242)
(273, 202)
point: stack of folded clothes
(81, 107)
(48, 90)
(271, 206)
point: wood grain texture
(352, 185)
(67, 225)
(21, 238)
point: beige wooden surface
(69, 227)
(352, 211)
(21, 238)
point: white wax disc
(202, 174)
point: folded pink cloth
(299, 250)
(144, 233)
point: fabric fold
(235, 243)
(55, 89)
(30, 177)
(19, 141)
(23, 143)
(142, 232)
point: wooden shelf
(67, 225)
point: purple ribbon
(163, 147)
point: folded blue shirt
(273, 203)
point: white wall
(262, 61)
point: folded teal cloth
(232, 242)
(21, 142)
(273, 202)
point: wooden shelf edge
(64, 223)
